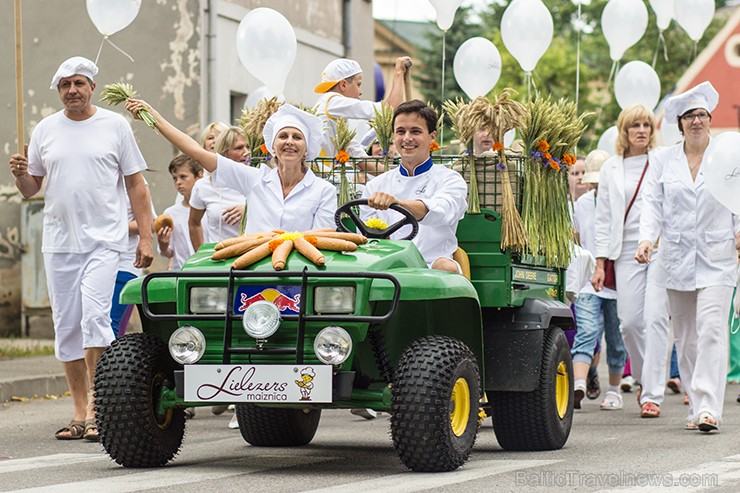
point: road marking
(56, 460)
(702, 477)
(173, 475)
(409, 482)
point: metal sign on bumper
(276, 384)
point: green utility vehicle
(374, 328)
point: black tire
(432, 429)
(541, 419)
(277, 427)
(128, 380)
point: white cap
(337, 71)
(704, 96)
(76, 65)
(594, 160)
(370, 137)
(290, 116)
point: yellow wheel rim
(562, 389)
(460, 407)
(163, 422)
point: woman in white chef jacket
(699, 238)
(616, 238)
(288, 196)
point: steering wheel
(372, 232)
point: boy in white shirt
(175, 242)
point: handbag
(610, 277)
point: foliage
(253, 122)
(120, 92)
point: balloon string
(534, 86)
(444, 57)
(100, 49)
(661, 41)
(694, 57)
(657, 49)
(578, 56)
(119, 49)
(665, 46)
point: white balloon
(722, 171)
(624, 23)
(110, 16)
(256, 96)
(637, 83)
(608, 140)
(670, 133)
(526, 29)
(445, 12)
(477, 66)
(694, 16)
(266, 44)
(663, 12)
(509, 137)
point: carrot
(280, 254)
(239, 248)
(252, 256)
(312, 232)
(309, 251)
(335, 244)
(353, 237)
(239, 239)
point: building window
(238, 100)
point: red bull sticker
(286, 298)
(303, 383)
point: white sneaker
(364, 413)
(612, 401)
(627, 384)
(234, 424)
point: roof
(411, 32)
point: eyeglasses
(690, 117)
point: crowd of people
(99, 220)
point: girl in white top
(699, 238)
(222, 206)
(644, 325)
(289, 196)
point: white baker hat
(290, 116)
(703, 96)
(335, 72)
(77, 65)
(594, 160)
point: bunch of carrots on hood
(253, 247)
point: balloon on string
(624, 23)
(477, 66)
(670, 133)
(526, 29)
(266, 45)
(509, 137)
(637, 83)
(445, 12)
(608, 140)
(663, 13)
(694, 16)
(722, 171)
(256, 96)
(110, 16)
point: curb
(32, 387)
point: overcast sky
(410, 10)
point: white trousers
(642, 307)
(700, 327)
(81, 291)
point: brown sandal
(650, 410)
(73, 431)
(91, 431)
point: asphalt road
(607, 451)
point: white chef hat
(290, 116)
(76, 65)
(703, 96)
(337, 71)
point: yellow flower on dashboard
(376, 223)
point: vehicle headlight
(332, 345)
(187, 345)
(261, 319)
(207, 299)
(334, 299)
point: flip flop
(650, 410)
(707, 423)
(691, 426)
(73, 431)
(91, 431)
